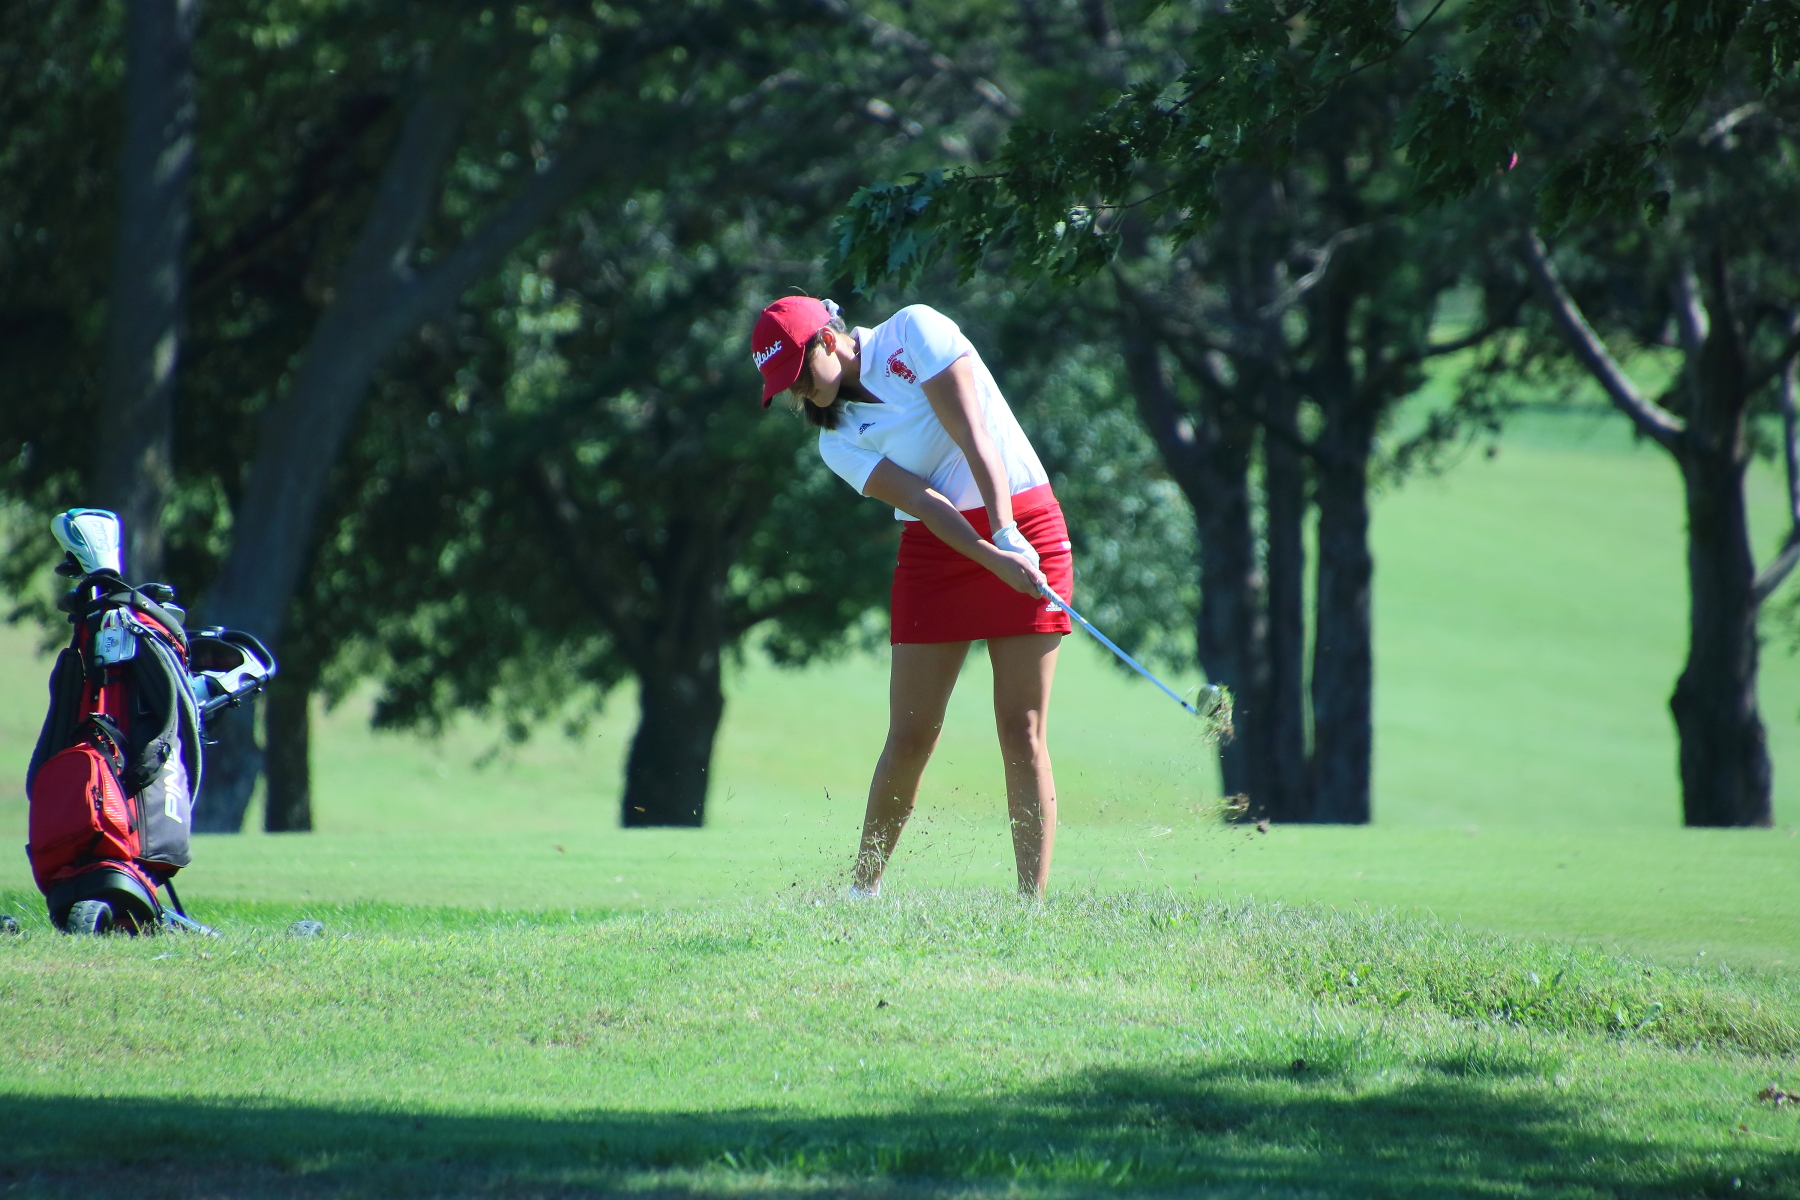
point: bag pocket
(78, 812)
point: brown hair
(827, 417)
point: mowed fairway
(951, 1043)
(1530, 614)
(514, 998)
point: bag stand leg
(177, 916)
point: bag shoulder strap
(68, 684)
(161, 693)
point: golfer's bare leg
(919, 687)
(1024, 667)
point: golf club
(1210, 692)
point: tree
(386, 286)
(1713, 285)
(133, 470)
(1300, 323)
(657, 480)
(60, 78)
(602, 491)
(1250, 72)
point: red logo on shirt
(896, 367)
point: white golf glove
(1008, 538)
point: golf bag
(119, 763)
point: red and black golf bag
(118, 767)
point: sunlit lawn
(1529, 613)
(513, 997)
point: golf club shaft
(1129, 661)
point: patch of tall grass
(1376, 960)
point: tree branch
(1321, 267)
(1390, 55)
(544, 484)
(324, 172)
(1378, 379)
(1690, 310)
(1771, 576)
(431, 292)
(1438, 349)
(1652, 421)
(1779, 365)
(919, 50)
(743, 618)
(408, 188)
(1158, 406)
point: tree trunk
(1250, 257)
(1284, 484)
(680, 703)
(233, 761)
(1343, 655)
(287, 727)
(1726, 777)
(662, 599)
(1232, 631)
(133, 463)
(1207, 453)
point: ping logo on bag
(174, 781)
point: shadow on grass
(1221, 1132)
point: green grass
(932, 1044)
(1529, 614)
(1524, 979)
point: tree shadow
(1218, 1131)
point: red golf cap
(778, 342)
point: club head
(94, 536)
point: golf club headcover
(93, 536)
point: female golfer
(908, 414)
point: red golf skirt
(941, 595)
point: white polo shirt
(898, 356)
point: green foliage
(620, 395)
(58, 148)
(1132, 530)
(1243, 78)
(1723, 238)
